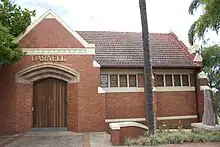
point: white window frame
(118, 75)
(173, 85)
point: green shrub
(178, 137)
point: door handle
(32, 108)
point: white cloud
(120, 15)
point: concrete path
(48, 139)
(99, 140)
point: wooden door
(49, 103)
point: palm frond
(191, 33)
(194, 5)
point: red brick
(176, 103)
(49, 34)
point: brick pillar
(115, 137)
(203, 85)
(72, 107)
(24, 97)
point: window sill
(187, 88)
(141, 89)
(123, 89)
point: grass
(178, 137)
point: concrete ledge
(117, 126)
(96, 64)
(206, 127)
(202, 75)
(205, 88)
(100, 90)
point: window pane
(185, 80)
(123, 80)
(159, 80)
(177, 80)
(168, 80)
(132, 81)
(113, 80)
(140, 80)
(192, 79)
(104, 80)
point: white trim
(198, 58)
(176, 88)
(202, 75)
(123, 89)
(118, 80)
(122, 71)
(172, 71)
(128, 81)
(124, 120)
(177, 117)
(164, 80)
(173, 83)
(117, 126)
(96, 64)
(144, 119)
(189, 79)
(181, 79)
(137, 80)
(216, 127)
(205, 88)
(141, 89)
(59, 51)
(100, 90)
(51, 15)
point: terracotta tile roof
(124, 49)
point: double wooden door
(50, 103)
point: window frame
(118, 75)
(173, 82)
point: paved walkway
(70, 139)
(47, 139)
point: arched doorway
(49, 103)
(49, 80)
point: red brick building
(83, 80)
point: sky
(121, 15)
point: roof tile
(124, 49)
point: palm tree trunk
(148, 87)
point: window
(192, 79)
(104, 80)
(113, 80)
(177, 81)
(169, 81)
(140, 80)
(132, 81)
(185, 79)
(159, 80)
(118, 80)
(123, 80)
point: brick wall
(125, 105)
(16, 98)
(176, 103)
(49, 34)
(91, 116)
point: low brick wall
(120, 131)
